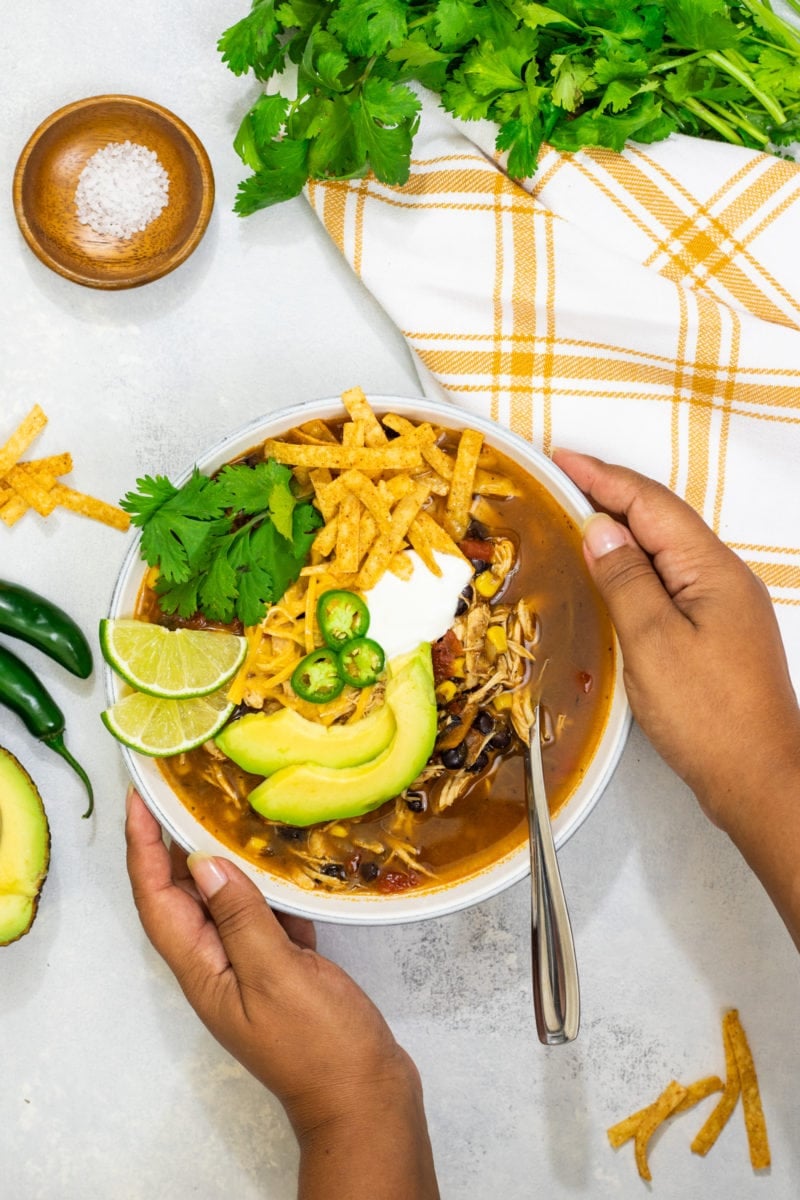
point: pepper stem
(56, 742)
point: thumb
(248, 929)
(626, 579)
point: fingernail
(207, 874)
(131, 792)
(602, 534)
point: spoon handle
(556, 992)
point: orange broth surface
(575, 651)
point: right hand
(704, 665)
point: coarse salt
(122, 188)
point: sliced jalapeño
(317, 677)
(342, 616)
(361, 662)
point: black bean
(416, 801)
(291, 833)
(480, 763)
(484, 722)
(477, 530)
(455, 758)
(335, 870)
(369, 871)
(501, 740)
(461, 607)
(480, 565)
(467, 592)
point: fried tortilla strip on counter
(754, 1120)
(624, 1130)
(395, 456)
(720, 1115)
(674, 1093)
(90, 506)
(456, 516)
(12, 509)
(36, 491)
(359, 409)
(26, 432)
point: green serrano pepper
(26, 615)
(22, 692)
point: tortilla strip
(366, 491)
(626, 1129)
(666, 1103)
(348, 557)
(392, 457)
(719, 1116)
(54, 464)
(36, 491)
(359, 409)
(754, 1121)
(456, 516)
(89, 506)
(26, 432)
(387, 545)
(437, 537)
(13, 509)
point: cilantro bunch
(226, 546)
(570, 72)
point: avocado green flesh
(24, 849)
(264, 744)
(307, 793)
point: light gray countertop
(109, 1086)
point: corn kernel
(458, 667)
(502, 702)
(338, 831)
(255, 845)
(496, 634)
(445, 691)
(487, 584)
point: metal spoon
(556, 992)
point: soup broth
(423, 839)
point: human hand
(291, 1017)
(704, 665)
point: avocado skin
(307, 793)
(262, 744)
(24, 849)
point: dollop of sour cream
(405, 612)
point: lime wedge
(162, 728)
(173, 664)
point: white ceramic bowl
(368, 909)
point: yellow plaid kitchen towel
(642, 306)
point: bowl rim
(141, 275)
(335, 908)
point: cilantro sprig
(573, 73)
(225, 546)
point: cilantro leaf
(574, 72)
(209, 561)
(369, 26)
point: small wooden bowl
(47, 175)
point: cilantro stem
(724, 63)
(670, 64)
(710, 118)
(739, 119)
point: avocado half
(24, 848)
(307, 792)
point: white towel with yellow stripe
(642, 306)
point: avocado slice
(307, 793)
(264, 744)
(24, 848)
